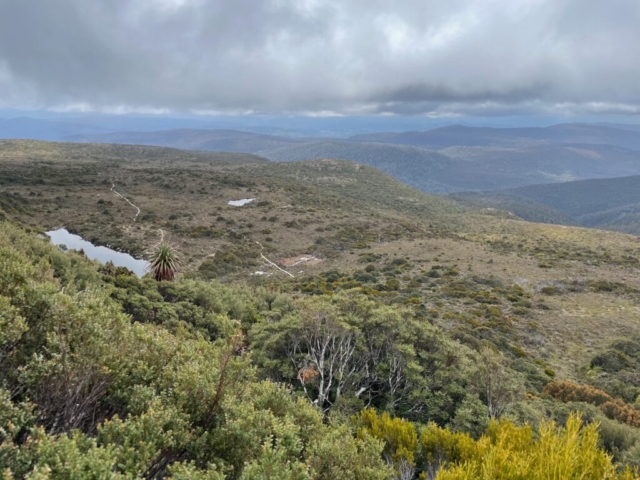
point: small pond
(240, 203)
(102, 254)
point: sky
(323, 58)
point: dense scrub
(87, 393)
(613, 408)
(504, 451)
(105, 375)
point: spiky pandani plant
(164, 262)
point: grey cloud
(347, 56)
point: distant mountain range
(437, 139)
(458, 158)
(12, 124)
(457, 135)
(59, 129)
(442, 160)
(42, 129)
(196, 139)
(472, 168)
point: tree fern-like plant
(164, 262)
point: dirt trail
(113, 185)
(271, 263)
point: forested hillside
(585, 197)
(456, 169)
(519, 206)
(611, 204)
(459, 135)
(424, 169)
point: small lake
(102, 254)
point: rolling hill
(42, 129)
(611, 204)
(424, 169)
(167, 183)
(585, 197)
(194, 139)
(519, 206)
(458, 135)
(552, 163)
(27, 151)
(473, 168)
(452, 169)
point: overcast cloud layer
(444, 57)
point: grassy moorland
(318, 207)
(444, 325)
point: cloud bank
(322, 57)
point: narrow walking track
(271, 263)
(113, 185)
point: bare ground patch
(305, 259)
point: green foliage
(164, 262)
(495, 383)
(619, 440)
(336, 456)
(615, 370)
(89, 394)
(229, 259)
(381, 355)
(107, 375)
